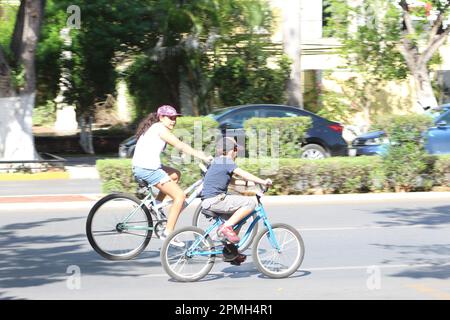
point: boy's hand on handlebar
(268, 182)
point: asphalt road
(354, 250)
(58, 186)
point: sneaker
(239, 259)
(228, 233)
(174, 242)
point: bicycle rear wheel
(274, 263)
(108, 233)
(203, 222)
(179, 264)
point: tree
(417, 56)
(16, 139)
(194, 39)
(385, 40)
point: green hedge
(406, 163)
(294, 176)
(441, 171)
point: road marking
(430, 291)
(363, 227)
(392, 266)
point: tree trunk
(424, 91)
(292, 48)
(86, 140)
(25, 39)
(16, 136)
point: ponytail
(146, 124)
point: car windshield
(218, 112)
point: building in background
(322, 67)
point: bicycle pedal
(230, 252)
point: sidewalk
(68, 201)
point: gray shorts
(229, 204)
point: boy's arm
(248, 176)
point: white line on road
(366, 227)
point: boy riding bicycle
(215, 185)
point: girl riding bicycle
(153, 134)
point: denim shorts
(151, 176)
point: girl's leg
(174, 191)
(174, 174)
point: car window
(237, 118)
(446, 118)
(279, 113)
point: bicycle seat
(141, 183)
(209, 213)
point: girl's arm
(248, 176)
(171, 139)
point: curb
(72, 172)
(86, 201)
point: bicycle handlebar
(262, 189)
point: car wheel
(314, 152)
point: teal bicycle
(277, 252)
(120, 226)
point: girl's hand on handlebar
(267, 182)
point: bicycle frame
(260, 213)
(150, 201)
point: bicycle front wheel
(189, 262)
(114, 237)
(280, 263)
(203, 222)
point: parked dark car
(322, 140)
(437, 137)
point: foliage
(8, 14)
(406, 159)
(335, 175)
(198, 132)
(442, 171)
(199, 42)
(285, 133)
(246, 78)
(116, 175)
(109, 30)
(370, 35)
(44, 114)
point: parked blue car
(437, 138)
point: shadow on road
(435, 255)
(428, 216)
(31, 259)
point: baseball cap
(226, 144)
(166, 110)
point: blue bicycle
(277, 252)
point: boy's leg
(241, 206)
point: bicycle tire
(167, 266)
(124, 255)
(201, 221)
(257, 251)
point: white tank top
(149, 146)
